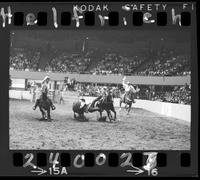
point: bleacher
(162, 63)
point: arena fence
(116, 79)
(179, 111)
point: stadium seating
(163, 64)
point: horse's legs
(111, 118)
(130, 105)
(115, 114)
(126, 106)
(120, 104)
(100, 112)
(82, 116)
(74, 115)
(51, 104)
(48, 114)
(43, 113)
(109, 115)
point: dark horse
(100, 104)
(127, 99)
(104, 104)
(44, 104)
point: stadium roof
(126, 42)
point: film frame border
(179, 154)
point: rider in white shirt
(45, 87)
(127, 87)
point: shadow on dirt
(103, 119)
(79, 119)
(42, 119)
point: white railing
(179, 111)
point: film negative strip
(99, 89)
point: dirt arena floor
(141, 130)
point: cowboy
(103, 94)
(127, 87)
(44, 89)
(33, 91)
(83, 103)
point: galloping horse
(127, 99)
(44, 105)
(101, 104)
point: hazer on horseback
(128, 97)
(103, 94)
(45, 87)
(44, 102)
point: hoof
(81, 118)
(103, 119)
(34, 108)
(53, 108)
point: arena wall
(117, 79)
(179, 111)
(23, 95)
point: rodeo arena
(79, 92)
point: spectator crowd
(177, 94)
(163, 63)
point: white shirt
(128, 88)
(46, 85)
